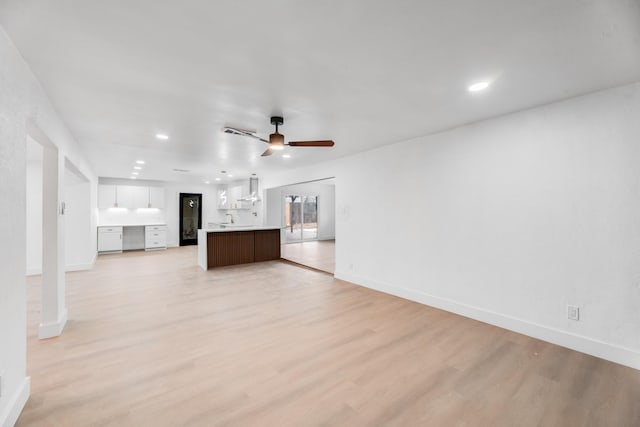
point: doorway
(45, 229)
(190, 218)
(306, 214)
(300, 218)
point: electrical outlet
(573, 312)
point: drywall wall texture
(23, 107)
(518, 216)
(507, 221)
(34, 208)
(12, 229)
(80, 254)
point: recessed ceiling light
(140, 162)
(134, 173)
(286, 156)
(207, 182)
(476, 87)
(162, 136)
(137, 167)
(132, 177)
(230, 176)
(217, 179)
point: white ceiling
(360, 72)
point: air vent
(181, 170)
(236, 131)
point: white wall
(507, 221)
(80, 252)
(172, 205)
(79, 247)
(326, 205)
(34, 208)
(23, 105)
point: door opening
(190, 218)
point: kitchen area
(226, 221)
(130, 218)
(149, 215)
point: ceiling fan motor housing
(276, 140)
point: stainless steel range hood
(254, 192)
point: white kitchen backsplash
(121, 216)
(241, 216)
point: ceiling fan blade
(324, 143)
(268, 152)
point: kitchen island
(232, 245)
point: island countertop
(233, 227)
(232, 244)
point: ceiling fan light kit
(276, 139)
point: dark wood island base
(238, 247)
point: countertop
(239, 228)
(132, 225)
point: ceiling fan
(276, 139)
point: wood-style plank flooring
(318, 254)
(154, 341)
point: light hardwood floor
(318, 254)
(154, 341)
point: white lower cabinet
(155, 237)
(109, 239)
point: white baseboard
(13, 410)
(78, 267)
(612, 352)
(82, 267)
(33, 271)
(68, 267)
(53, 329)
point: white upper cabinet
(130, 197)
(156, 197)
(107, 196)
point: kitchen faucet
(231, 221)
